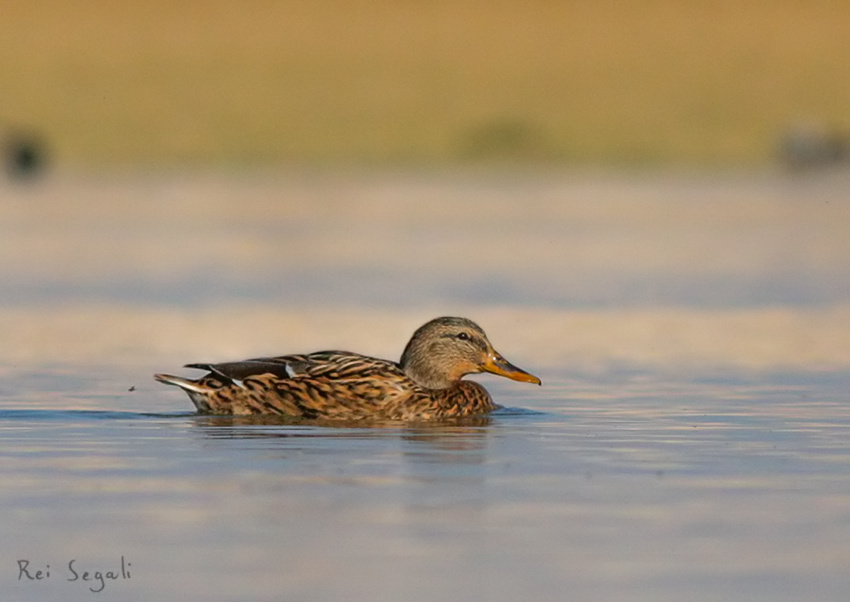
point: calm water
(691, 440)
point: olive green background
(622, 83)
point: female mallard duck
(339, 385)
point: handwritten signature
(95, 579)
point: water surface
(690, 441)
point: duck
(426, 383)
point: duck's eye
(463, 336)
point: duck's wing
(282, 367)
(326, 384)
(322, 366)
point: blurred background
(388, 83)
(427, 157)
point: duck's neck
(424, 374)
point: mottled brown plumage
(338, 385)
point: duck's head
(442, 351)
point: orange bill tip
(496, 364)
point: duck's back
(325, 384)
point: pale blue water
(665, 491)
(649, 482)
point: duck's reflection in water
(456, 440)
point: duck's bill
(496, 364)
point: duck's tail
(197, 392)
(186, 384)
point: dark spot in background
(24, 155)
